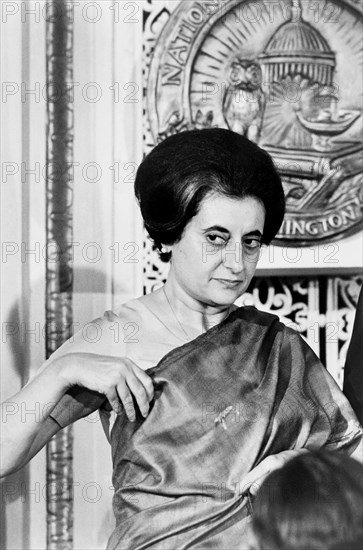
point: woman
(314, 501)
(236, 393)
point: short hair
(182, 170)
(315, 501)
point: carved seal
(286, 74)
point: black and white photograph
(181, 275)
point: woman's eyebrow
(216, 228)
(256, 233)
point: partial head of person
(184, 169)
(314, 502)
(209, 199)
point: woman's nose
(233, 257)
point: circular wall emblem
(288, 75)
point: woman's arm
(255, 477)
(24, 432)
(25, 418)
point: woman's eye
(216, 239)
(252, 243)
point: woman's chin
(225, 297)
(226, 289)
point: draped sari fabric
(246, 389)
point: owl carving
(244, 99)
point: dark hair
(179, 172)
(313, 502)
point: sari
(248, 388)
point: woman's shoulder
(135, 309)
(251, 314)
(138, 309)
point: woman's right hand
(118, 378)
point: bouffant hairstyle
(313, 502)
(182, 170)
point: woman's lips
(229, 282)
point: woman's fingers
(140, 385)
(253, 480)
(114, 400)
(127, 401)
(250, 482)
(119, 379)
(147, 383)
(140, 393)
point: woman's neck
(191, 312)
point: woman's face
(215, 260)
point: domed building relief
(296, 62)
(286, 74)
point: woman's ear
(165, 253)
